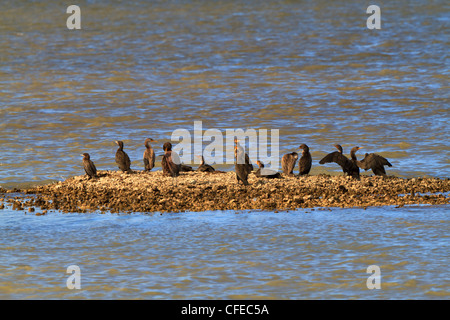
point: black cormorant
(149, 155)
(261, 172)
(305, 162)
(248, 165)
(288, 162)
(89, 166)
(375, 162)
(348, 166)
(170, 162)
(203, 167)
(240, 166)
(122, 159)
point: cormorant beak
(360, 148)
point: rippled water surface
(141, 69)
(305, 254)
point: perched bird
(261, 172)
(354, 172)
(339, 158)
(348, 166)
(89, 166)
(203, 167)
(170, 162)
(240, 166)
(185, 168)
(122, 159)
(149, 155)
(246, 161)
(375, 162)
(288, 162)
(305, 162)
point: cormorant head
(85, 156)
(147, 142)
(167, 146)
(119, 143)
(338, 146)
(304, 147)
(354, 149)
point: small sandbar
(194, 191)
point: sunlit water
(141, 69)
(304, 254)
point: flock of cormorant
(172, 166)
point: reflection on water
(312, 70)
(304, 254)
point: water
(135, 70)
(141, 69)
(302, 254)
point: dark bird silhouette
(203, 167)
(89, 166)
(170, 162)
(149, 155)
(241, 168)
(375, 162)
(185, 168)
(348, 166)
(288, 162)
(261, 172)
(248, 164)
(122, 159)
(305, 162)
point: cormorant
(170, 162)
(305, 162)
(89, 166)
(203, 167)
(240, 166)
(248, 165)
(149, 155)
(348, 166)
(288, 163)
(375, 162)
(266, 173)
(122, 159)
(185, 168)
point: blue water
(303, 254)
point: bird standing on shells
(261, 172)
(288, 162)
(149, 155)
(89, 166)
(248, 165)
(305, 162)
(375, 162)
(240, 165)
(170, 162)
(122, 159)
(348, 166)
(203, 167)
(355, 168)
